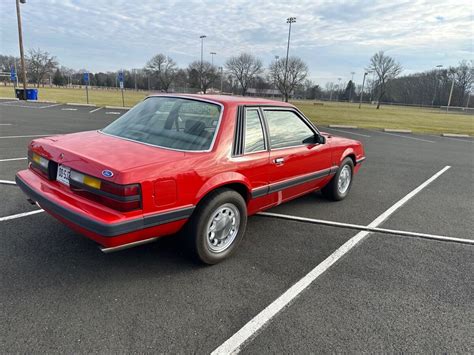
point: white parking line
(96, 109)
(19, 215)
(27, 106)
(5, 124)
(407, 137)
(7, 182)
(32, 135)
(68, 109)
(349, 132)
(368, 229)
(113, 113)
(249, 330)
(13, 159)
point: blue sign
(86, 78)
(12, 73)
(120, 76)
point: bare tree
(202, 74)
(244, 67)
(464, 76)
(39, 64)
(386, 68)
(297, 72)
(164, 69)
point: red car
(194, 162)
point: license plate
(63, 174)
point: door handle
(279, 161)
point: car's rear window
(169, 122)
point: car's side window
(286, 129)
(254, 138)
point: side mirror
(316, 139)
(320, 139)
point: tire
(334, 190)
(217, 226)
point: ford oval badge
(107, 173)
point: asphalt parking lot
(386, 293)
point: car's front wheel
(338, 188)
(217, 226)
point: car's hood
(93, 151)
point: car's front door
(298, 165)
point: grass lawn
(100, 97)
(420, 120)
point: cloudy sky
(333, 37)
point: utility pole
(350, 89)
(20, 40)
(362, 91)
(289, 21)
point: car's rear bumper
(96, 223)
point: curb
(9, 98)
(341, 126)
(117, 107)
(43, 101)
(77, 104)
(397, 130)
(455, 135)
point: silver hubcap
(344, 179)
(222, 227)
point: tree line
(246, 74)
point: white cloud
(334, 37)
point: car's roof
(228, 99)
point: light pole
(350, 89)
(289, 21)
(20, 40)
(202, 46)
(436, 84)
(200, 71)
(212, 57)
(222, 77)
(450, 95)
(338, 88)
(362, 91)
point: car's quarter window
(286, 129)
(169, 122)
(254, 138)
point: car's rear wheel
(340, 185)
(217, 226)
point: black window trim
(238, 147)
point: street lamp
(362, 91)
(212, 57)
(350, 89)
(20, 40)
(289, 21)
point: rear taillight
(40, 164)
(120, 197)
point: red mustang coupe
(194, 162)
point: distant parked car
(196, 163)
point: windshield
(169, 122)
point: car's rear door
(297, 164)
